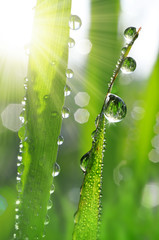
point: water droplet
(22, 132)
(20, 169)
(129, 33)
(60, 140)
(47, 219)
(84, 162)
(49, 206)
(69, 73)
(71, 42)
(115, 108)
(46, 97)
(52, 190)
(123, 50)
(18, 202)
(129, 65)
(65, 112)
(75, 22)
(54, 114)
(19, 157)
(67, 91)
(56, 170)
(19, 186)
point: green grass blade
(42, 115)
(87, 218)
(88, 214)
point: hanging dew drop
(67, 91)
(71, 42)
(129, 65)
(65, 112)
(69, 73)
(84, 162)
(75, 22)
(56, 170)
(49, 206)
(123, 50)
(60, 140)
(129, 33)
(52, 190)
(115, 108)
(47, 219)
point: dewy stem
(119, 64)
(121, 59)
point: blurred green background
(130, 178)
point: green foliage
(42, 116)
(114, 109)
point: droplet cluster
(114, 107)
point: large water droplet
(67, 91)
(71, 42)
(129, 33)
(65, 112)
(60, 140)
(75, 22)
(56, 170)
(115, 108)
(69, 73)
(129, 65)
(84, 162)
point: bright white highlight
(16, 18)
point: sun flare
(16, 18)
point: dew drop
(75, 22)
(19, 186)
(49, 206)
(22, 132)
(18, 202)
(54, 114)
(52, 190)
(46, 97)
(56, 170)
(67, 91)
(69, 73)
(129, 65)
(84, 162)
(47, 219)
(19, 157)
(129, 33)
(20, 169)
(60, 140)
(123, 50)
(115, 108)
(71, 42)
(65, 112)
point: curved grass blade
(87, 218)
(41, 116)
